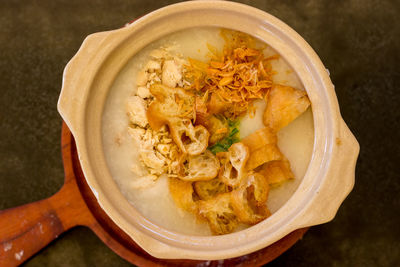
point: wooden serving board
(25, 230)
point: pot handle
(341, 175)
(26, 229)
(75, 77)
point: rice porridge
(150, 194)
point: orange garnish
(239, 76)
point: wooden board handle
(27, 229)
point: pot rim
(304, 208)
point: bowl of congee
(208, 130)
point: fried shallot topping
(231, 81)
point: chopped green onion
(224, 144)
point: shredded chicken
(157, 152)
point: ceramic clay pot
(91, 72)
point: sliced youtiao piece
(175, 107)
(263, 147)
(216, 126)
(284, 104)
(249, 200)
(262, 155)
(199, 167)
(169, 103)
(219, 213)
(201, 111)
(209, 189)
(260, 138)
(257, 188)
(192, 140)
(182, 194)
(217, 105)
(276, 172)
(233, 164)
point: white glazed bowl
(91, 72)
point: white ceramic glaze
(90, 73)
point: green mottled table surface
(358, 41)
